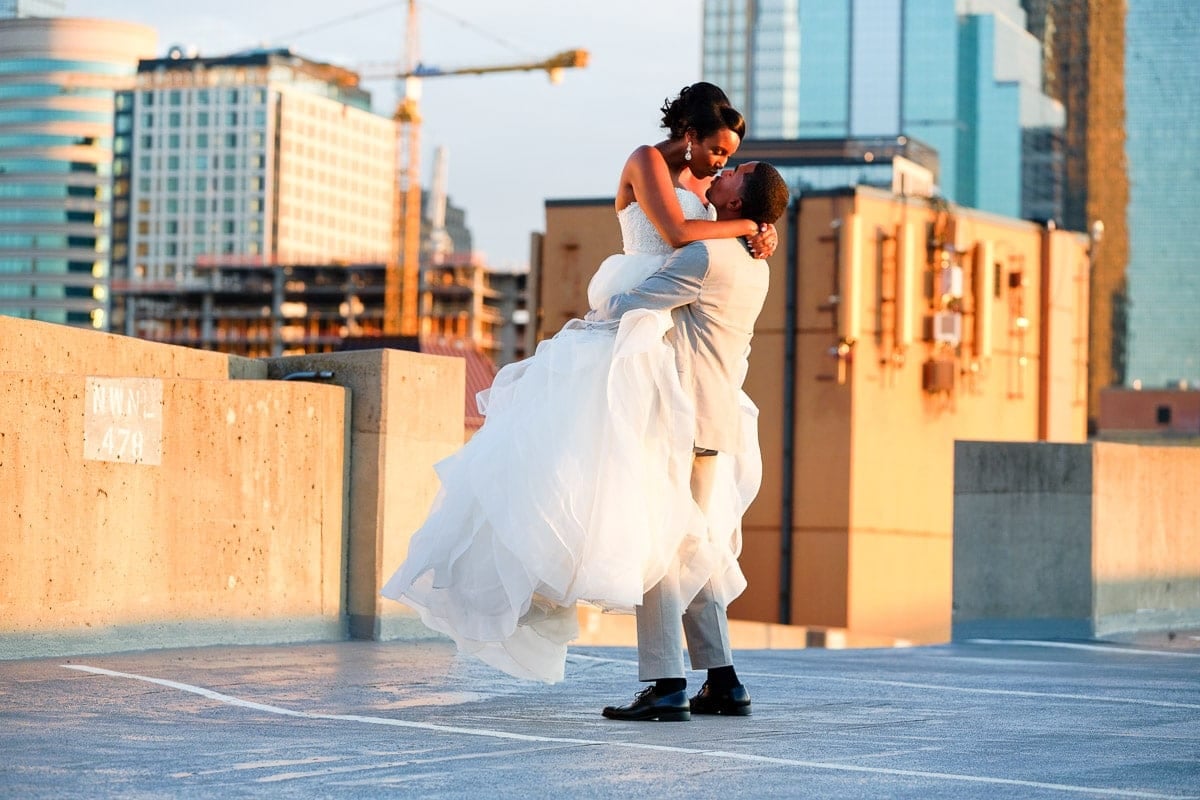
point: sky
(513, 140)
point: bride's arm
(647, 174)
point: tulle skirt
(576, 489)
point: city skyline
(513, 140)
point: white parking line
(719, 754)
(1103, 648)
(1090, 698)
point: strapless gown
(577, 487)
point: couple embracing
(615, 463)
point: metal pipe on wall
(787, 467)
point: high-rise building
(57, 83)
(963, 76)
(10, 9)
(1162, 92)
(1083, 58)
(261, 157)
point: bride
(576, 488)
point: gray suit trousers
(704, 623)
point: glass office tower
(32, 8)
(963, 77)
(1162, 90)
(57, 83)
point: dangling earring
(687, 154)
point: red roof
(480, 372)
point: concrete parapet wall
(1074, 539)
(27, 346)
(149, 512)
(404, 419)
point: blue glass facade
(968, 85)
(988, 158)
(929, 99)
(1162, 90)
(824, 70)
(56, 173)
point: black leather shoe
(647, 705)
(733, 702)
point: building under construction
(251, 310)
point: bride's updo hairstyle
(703, 108)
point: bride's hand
(763, 243)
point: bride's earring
(687, 154)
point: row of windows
(55, 215)
(11, 188)
(13, 115)
(53, 140)
(43, 165)
(199, 247)
(57, 241)
(17, 65)
(200, 183)
(200, 227)
(201, 163)
(177, 141)
(176, 97)
(203, 119)
(173, 205)
(13, 91)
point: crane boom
(402, 273)
(565, 60)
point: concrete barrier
(152, 512)
(404, 419)
(1075, 540)
(29, 346)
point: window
(202, 118)
(231, 140)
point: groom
(715, 290)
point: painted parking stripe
(1091, 698)
(719, 754)
(1102, 648)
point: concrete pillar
(402, 423)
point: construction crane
(400, 316)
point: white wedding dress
(577, 487)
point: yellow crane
(400, 315)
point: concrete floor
(1032, 719)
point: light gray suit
(715, 291)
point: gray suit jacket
(715, 291)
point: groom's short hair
(764, 194)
